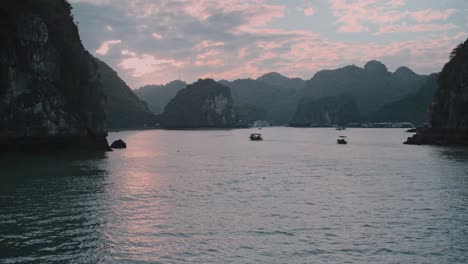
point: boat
(340, 128)
(256, 137)
(342, 140)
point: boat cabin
(342, 140)
(256, 136)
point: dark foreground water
(216, 197)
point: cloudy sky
(152, 41)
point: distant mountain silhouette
(273, 94)
(332, 110)
(203, 104)
(412, 108)
(276, 98)
(157, 96)
(371, 86)
(276, 79)
(248, 113)
(124, 108)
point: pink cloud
(106, 45)
(353, 26)
(268, 45)
(404, 27)
(309, 55)
(156, 35)
(354, 16)
(396, 3)
(259, 12)
(128, 53)
(430, 15)
(242, 53)
(240, 72)
(144, 64)
(351, 15)
(265, 14)
(208, 44)
(210, 54)
(310, 11)
(225, 39)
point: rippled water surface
(216, 197)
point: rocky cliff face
(450, 107)
(50, 93)
(124, 109)
(204, 104)
(449, 110)
(341, 110)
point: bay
(213, 196)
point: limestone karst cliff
(449, 110)
(203, 104)
(50, 95)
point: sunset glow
(150, 42)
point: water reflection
(459, 154)
(215, 197)
(51, 207)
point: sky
(156, 41)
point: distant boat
(342, 140)
(256, 137)
(341, 128)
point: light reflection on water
(216, 197)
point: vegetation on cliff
(203, 104)
(450, 107)
(449, 110)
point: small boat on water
(340, 128)
(256, 137)
(342, 140)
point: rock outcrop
(50, 94)
(449, 110)
(204, 104)
(124, 109)
(119, 144)
(334, 110)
